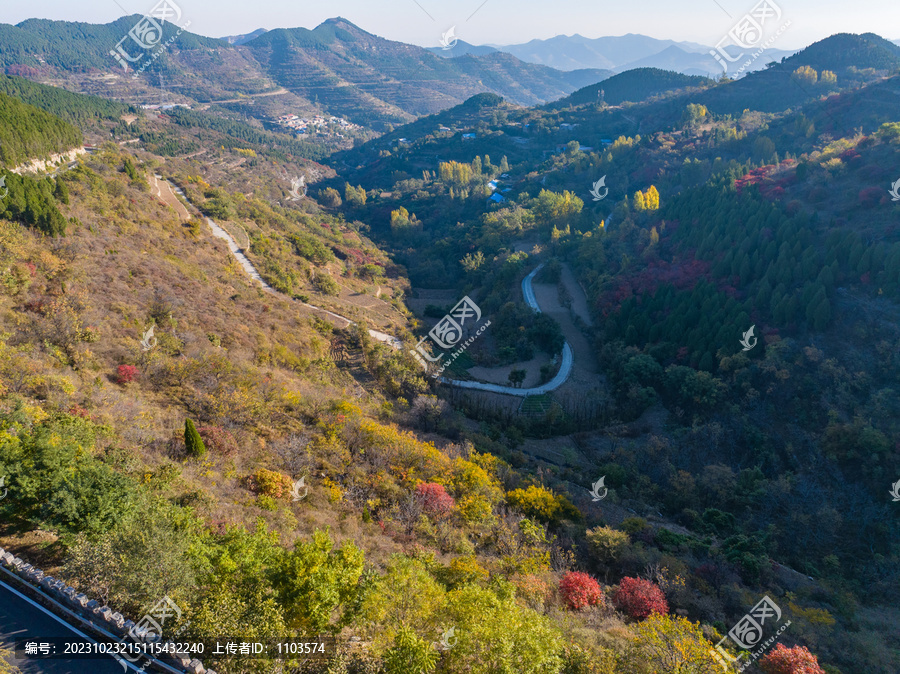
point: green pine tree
(192, 440)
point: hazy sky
(493, 21)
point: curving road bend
(565, 368)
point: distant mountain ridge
(355, 74)
(618, 54)
(245, 38)
(369, 78)
(632, 85)
(567, 52)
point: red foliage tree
(639, 598)
(218, 439)
(579, 590)
(870, 196)
(435, 498)
(126, 374)
(796, 660)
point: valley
(534, 359)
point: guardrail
(67, 602)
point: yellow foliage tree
(651, 199)
(674, 644)
(805, 75)
(640, 203)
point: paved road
(565, 368)
(21, 618)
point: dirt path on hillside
(162, 190)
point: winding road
(562, 375)
(565, 368)
(252, 271)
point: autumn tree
(639, 598)
(674, 644)
(434, 498)
(805, 75)
(606, 543)
(796, 660)
(579, 590)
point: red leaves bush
(871, 196)
(796, 660)
(639, 598)
(217, 439)
(579, 590)
(434, 498)
(126, 374)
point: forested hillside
(73, 108)
(27, 132)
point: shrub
(580, 590)
(126, 374)
(192, 440)
(639, 598)
(796, 660)
(271, 483)
(533, 589)
(410, 654)
(606, 543)
(218, 439)
(325, 284)
(434, 498)
(462, 571)
(542, 504)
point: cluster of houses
(301, 125)
(497, 191)
(165, 106)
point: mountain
(693, 63)
(371, 80)
(777, 88)
(243, 39)
(72, 47)
(356, 75)
(633, 85)
(576, 51)
(462, 48)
